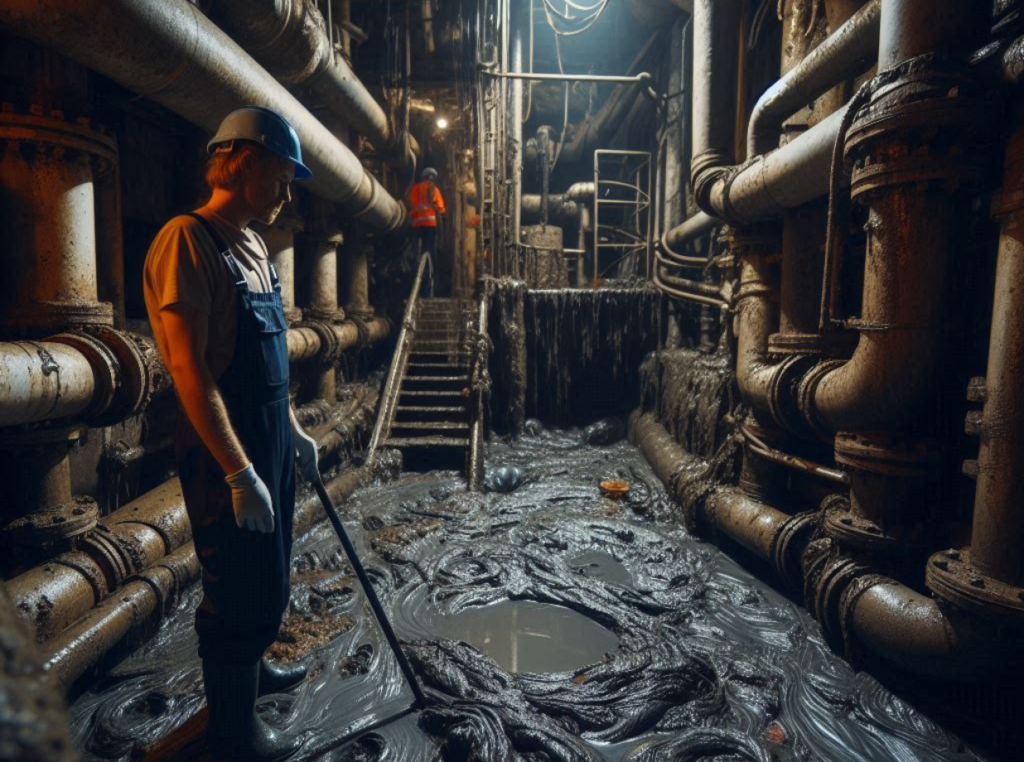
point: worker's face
(269, 187)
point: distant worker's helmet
(266, 127)
(429, 173)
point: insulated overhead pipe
(167, 50)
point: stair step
(438, 441)
(453, 366)
(428, 409)
(436, 379)
(441, 393)
(431, 425)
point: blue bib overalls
(245, 574)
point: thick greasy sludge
(710, 665)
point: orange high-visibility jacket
(426, 203)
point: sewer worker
(214, 303)
(426, 203)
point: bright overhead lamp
(442, 123)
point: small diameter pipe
(637, 78)
(305, 343)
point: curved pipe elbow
(918, 634)
(883, 385)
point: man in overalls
(214, 303)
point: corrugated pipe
(289, 38)
(167, 50)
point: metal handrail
(386, 413)
(480, 385)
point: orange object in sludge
(614, 487)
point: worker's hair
(231, 163)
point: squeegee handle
(371, 596)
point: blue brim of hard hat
(302, 172)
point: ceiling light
(442, 123)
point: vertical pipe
(357, 277)
(911, 28)
(324, 279)
(999, 501)
(110, 242)
(516, 119)
(280, 240)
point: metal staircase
(432, 404)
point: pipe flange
(30, 319)
(78, 136)
(788, 545)
(834, 575)
(105, 548)
(90, 571)
(806, 393)
(330, 343)
(887, 454)
(140, 373)
(853, 531)
(783, 393)
(106, 370)
(52, 526)
(924, 124)
(951, 575)
(839, 344)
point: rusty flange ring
(883, 453)
(106, 369)
(75, 136)
(788, 545)
(330, 343)
(783, 393)
(951, 575)
(929, 125)
(104, 547)
(807, 391)
(137, 379)
(858, 532)
(833, 575)
(833, 344)
(54, 525)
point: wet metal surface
(710, 665)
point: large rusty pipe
(757, 317)
(750, 523)
(43, 380)
(138, 43)
(290, 39)
(851, 50)
(48, 380)
(998, 530)
(919, 635)
(305, 343)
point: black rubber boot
(235, 731)
(281, 677)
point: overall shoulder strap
(225, 250)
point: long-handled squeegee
(378, 613)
